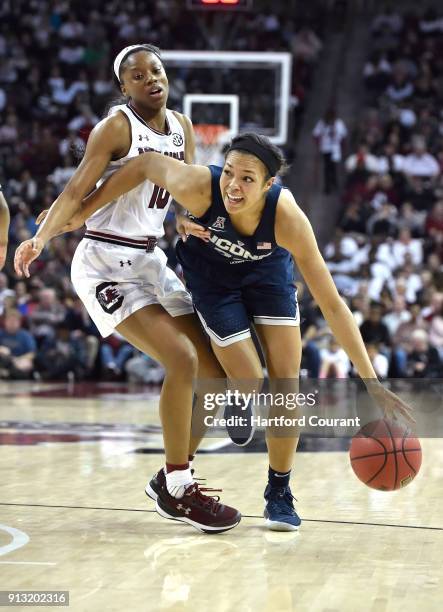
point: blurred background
(351, 90)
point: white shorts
(115, 281)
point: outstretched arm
(4, 229)
(189, 185)
(294, 233)
(109, 138)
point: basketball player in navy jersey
(242, 269)
(4, 228)
(122, 277)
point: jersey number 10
(160, 198)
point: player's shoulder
(287, 206)
(113, 132)
(184, 120)
(117, 122)
(289, 216)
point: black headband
(264, 154)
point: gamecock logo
(109, 297)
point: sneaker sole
(153, 495)
(243, 441)
(280, 526)
(198, 526)
(150, 492)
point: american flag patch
(264, 245)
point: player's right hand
(3, 248)
(25, 254)
(392, 405)
(185, 227)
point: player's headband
(123, 54)
(263, 154)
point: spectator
(330, 133)
(400, 314)
(362, 162)
(22, 298)
(434, 224)
(62, 356)
(114, 353)
(400, 88)
(373, 330)
(436, 332)
(423, 360)
(80, 324)
(17, 349)
(48, 313)
(143, 369)
(334, 361)
(434, 308)
(380, 362)
(4, 229)
(354, 219)
(307, 45)
(420, 163)
(5, 291)
(406, 245)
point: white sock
(178, 481)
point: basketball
(385, 456)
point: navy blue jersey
(230, 258)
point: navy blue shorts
(226, 313)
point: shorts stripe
(231, 339)
(289, 321)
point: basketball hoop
(209, 139)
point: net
(210, 140)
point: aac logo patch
(109, 297)
(219, 223)
(177, 139)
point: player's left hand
(185, 227)
(25, 254)
(3, 248)
(392, 405)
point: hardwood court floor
(78, 496)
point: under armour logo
(124, 263)
(143, 137)
(182, 507)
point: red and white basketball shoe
(203, 512)
(158, 481)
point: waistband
(147, 244)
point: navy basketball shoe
(204, 512)
(239, 423)
(279, 511)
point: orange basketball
(385, 456)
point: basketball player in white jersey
(122, 277)
(4, 228)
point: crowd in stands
(387, 253)
(55, 84)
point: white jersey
(142, 211)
